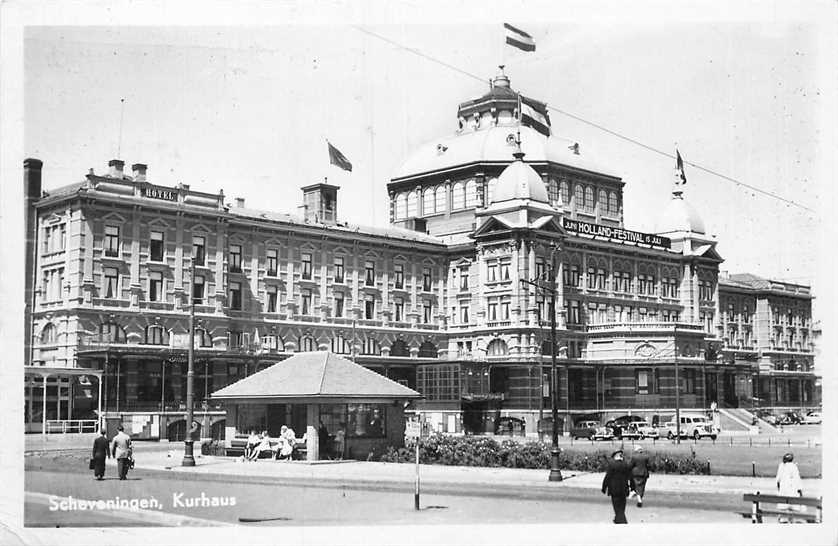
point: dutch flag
(518, 38)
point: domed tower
(444, 183)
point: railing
(631, 326)
(65, 426)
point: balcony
(643, 326)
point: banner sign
(615, 234)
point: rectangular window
(426, 312)
(688, 381)
(235, 295)
(199, 250)
(155, 252)
(271, 303)
(399, 276)
(112, 241)
(540, 269)
(573, 316)
(571, 276)
(306, 301)
(493, 311)
(492, 272)
(339, 270)
(338, 304)
(111, 290)
(273, 262)
(365, 420)
(643, 381)
(504, 310)
(426, 279)
(369, 273)
(463, 278)
(399, 307)
(155, 286)
(235, 258)
(600, 279)
(369, 307)
(198, 290)
(504, 271)
(464, 315)
(591, 277)
(306, 261)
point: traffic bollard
(753, 469)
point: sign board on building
(162, 194)
(615, 234)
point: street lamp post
(188, 458)
(555, 472)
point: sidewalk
(362, 472)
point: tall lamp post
(188, 458)
(555, 472)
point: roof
(64, 191)
(680, 215)
(520, 181)
(492, 144)
(319, 374)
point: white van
(693, 425)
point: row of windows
(54, 238)
(577, 314)
(597, 279)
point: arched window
(471, 193)
(156, 335)
(440, 198)
(428, 201)
(490, 189)
(589, 199)
(613, 205)
(565, 191)
(202, 338)
(428, 350)
(111, 332)
(341, 346)
(579, 195)
(370, 347)
(48, 334)
(401, 206)
(399, 348)
(458, 197)
(307, 344)
(497, 348)
(553, 191)
(603, 202)
(412, 204)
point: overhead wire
(585, 121)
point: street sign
(413, 429)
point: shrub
(486, 451)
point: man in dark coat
(100, 453)
(639, 472)
(616, 483)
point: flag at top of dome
(518, 38)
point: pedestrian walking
(639, 473)
(122, 451)
(789, 485)
(616, 483)
(100, 453)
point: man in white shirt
(789, 484)
(122, 451)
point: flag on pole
(679, 167)
(534, 114)
(518, 38)
(338, 159)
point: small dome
(679, 215)
(520, 181)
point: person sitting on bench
(287, 440)
(252, 442)
(263, 445)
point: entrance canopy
(318, 376)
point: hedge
(488, 452)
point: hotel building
(451, 299)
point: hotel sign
(615, 234)
(163, 194)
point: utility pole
(188, 458)
(555, 472)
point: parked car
(790, 418)
(766, 416)
(692, 426)
(638, 429)
(812, 418)
(510, 426)
(603, 433)
(584, 429)
(625, 425)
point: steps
(737, 420)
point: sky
(248, 109)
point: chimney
(32, 177)
(139, 171)
(240, 202)
(116, 166)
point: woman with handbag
(100, 453)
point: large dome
(679, 215)
(520, 181)
(492, 145)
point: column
(44, 405)
(312, 439)
(99, 403)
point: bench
(758, 510)
(238, 444)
